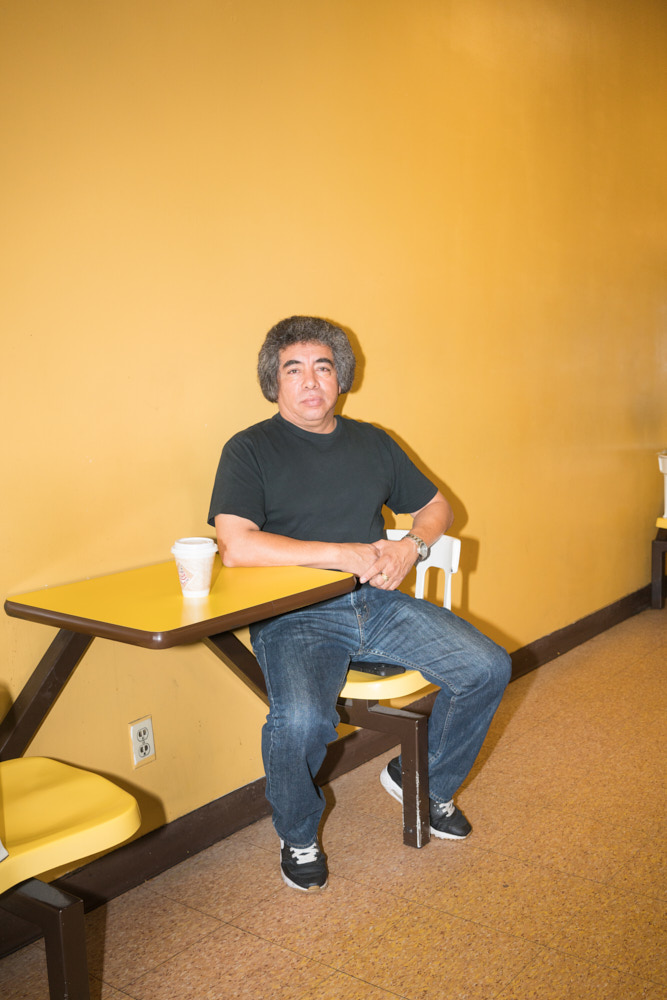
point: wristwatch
(422, 547)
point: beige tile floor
(560, 893)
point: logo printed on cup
(184, 575)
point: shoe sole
(396, 792)
(302, 888)
(390, 786)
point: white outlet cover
(142, 741)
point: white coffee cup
(194, 561)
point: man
(306, 488)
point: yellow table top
(145, 607)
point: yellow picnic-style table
(144, 607)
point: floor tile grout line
(169, 958)
(604, 883)
(539, 944)
(489, 927)
(547, 947)
(575, 956)
(311, 958)
(527, 964)
(309, 988)
(538, 866)
(178, 951)
(358, 979)
(283, 947)
(117, 989)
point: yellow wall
(475, 188)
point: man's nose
(311, 381)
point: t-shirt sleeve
(239, 485)
(411, 489)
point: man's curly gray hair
(303, 330)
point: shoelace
(304, 855)
(445, 809)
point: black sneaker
(303, 868)
(446, 821)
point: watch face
(422, 548)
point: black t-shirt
(317, 487)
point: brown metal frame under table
(658, 552)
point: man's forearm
(260, 548)
(242, 545)
(433, 520)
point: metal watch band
(422, 547)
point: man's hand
(358, 557)
(394, 562)
(396, 559)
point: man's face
(308, 387)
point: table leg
(60, 917)
(40, 692)
(410, 729)
(227, 646)
(658, 550)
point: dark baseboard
(155, 852)
(549, 647)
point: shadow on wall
(470, 552)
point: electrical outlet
(142, 741)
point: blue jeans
(304, 656)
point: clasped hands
(384, 564)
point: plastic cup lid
(194, 547)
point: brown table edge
(185, 633)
